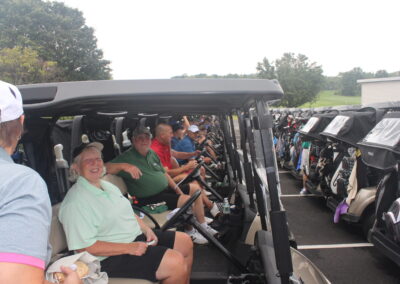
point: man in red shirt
(161, 144)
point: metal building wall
(380, 90)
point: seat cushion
(57, 236)
(117, 181)
(161, 219)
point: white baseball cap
(10, 102)
(193, 128)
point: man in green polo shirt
(146, 179)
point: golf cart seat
(58, 242)
(161, 218)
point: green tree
(58, 33)
(300, 79)
(22, 65)
(331, 83)
(381, 74)
(349, 85)
(266, 70)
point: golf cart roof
(395, 105)
(381, 147)
(317, 124)
(351, 126)
(347, 107)
(206, 96)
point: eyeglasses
(92, 161)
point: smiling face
(90, 165)
(142, 143)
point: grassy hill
(328, 98)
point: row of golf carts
(349, 155)
(257, 246)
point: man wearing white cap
(25, 210)
(187, 144)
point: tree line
(43, 41)
(302, 80)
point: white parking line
(355, 245)
(298, 195)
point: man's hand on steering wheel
(191, 165)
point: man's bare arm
(115, 168)
(184, 155)
(172, 184)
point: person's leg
(198, 208)
(193, 188)
(180, 242)
(193, 233)
(172, 269)
(183, 243)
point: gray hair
(10, 131)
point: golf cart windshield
(336, 124)
(381, 147)
(310, 124)
(350, 127)
(385, 133)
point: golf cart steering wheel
(174, 219)
(202, 144)
(193, 173)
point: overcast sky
(160, 39)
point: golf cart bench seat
(161, 218)
(59, 245)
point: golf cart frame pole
(236, 157)
(277, 215)
(228, 146)
(246, 163)
(260, 195)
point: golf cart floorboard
(210, 265)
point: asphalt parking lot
(339, 250)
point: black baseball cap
(78, 150)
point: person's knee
(172, 265)
(184, 241)
(182, 199)
(176, 262)
(193, 187)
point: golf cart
(381, 150)
(353, 184)
(62, 113)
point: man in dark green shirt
(146, 179)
